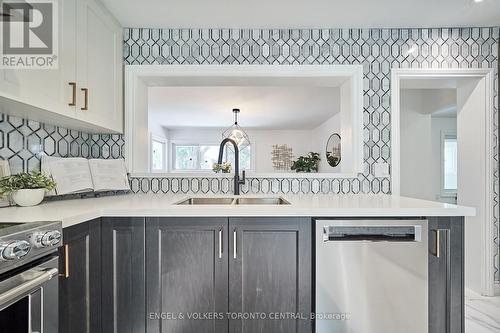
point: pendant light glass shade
(236, 133)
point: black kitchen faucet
(237, 180)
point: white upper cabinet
(48, 89)
(85, 92)
(99, 66)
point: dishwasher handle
(387, 233)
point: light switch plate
(381, 170)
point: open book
(79, 175)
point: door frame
(486, 75)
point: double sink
(234, 201)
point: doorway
(429, 149)
(443, 150)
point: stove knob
(51, 238)
(14, 250)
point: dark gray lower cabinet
(187, 275)
(446, 275)
(270, 273)
(123, 275)
(80, 280)
(156, 275)
(241, 267)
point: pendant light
(236, 133)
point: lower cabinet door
(80, 279)
(123, 275)
(270, 275)
(446, 275)
(187, 275)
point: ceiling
(277, 108)
(305, 14)
(439, 103)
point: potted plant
(26, 189)
(307, 163)
(225, 167)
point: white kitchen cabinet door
(99, 67)
(48, 89)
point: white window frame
(172, 156)
(164, 142)
(446, 193)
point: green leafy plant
(307, 163)
(20, 181)
(224, 167)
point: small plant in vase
(307, 163)
(224, 167)
(26, 189)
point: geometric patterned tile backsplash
(378, 50)
(23, 142)
(224, 185)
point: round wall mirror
(333, 150)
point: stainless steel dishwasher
(371, 276)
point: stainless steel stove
(28, 277)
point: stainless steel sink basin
(206, 201)
(261, 201)
(233, 201)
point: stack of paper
(77, 175)
(109, 175)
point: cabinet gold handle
(66, 262)
(235, 245)
(86, 99)
(73, 94)
(220, 243)
(437, 250)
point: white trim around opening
(486, 77)
(139, 77)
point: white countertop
(75, 211)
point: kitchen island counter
(75, 211)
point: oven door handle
(34, 278)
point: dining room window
(449, 163)
(201, 157)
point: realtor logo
(29, 34)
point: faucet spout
(237, 180)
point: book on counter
(80, 175)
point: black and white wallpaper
(23, 142)
(378, 50)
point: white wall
(138, 124)
(472, 185)
(156, 129)
(421, 140)
(416, 147)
